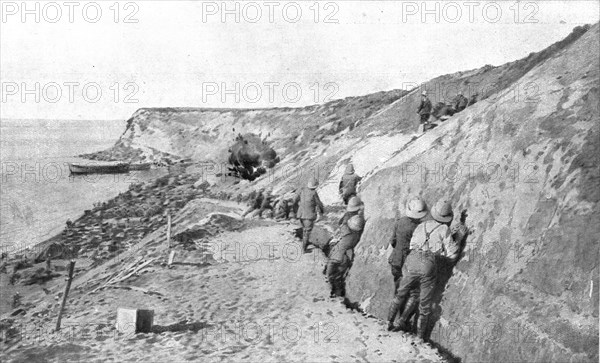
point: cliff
(522, 161)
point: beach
(243, 291)
(38, 194)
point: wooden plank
(169, 230)
(135, 288)
(67, 288)
(125, 275)
(136, 270)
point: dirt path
(257, 300)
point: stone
(130, 321)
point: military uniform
(460, 103)
(266, 204)
(430, 241)
(282, 209)
(424, 110)
(255, 204)
(309, 204)
(341, 255)
(348, 184)
(400, 241)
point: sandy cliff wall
(523, 161)
(527, 286)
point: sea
(37, 193)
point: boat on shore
(112, 168)
(140, 166)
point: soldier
(348, 184)
(416, 210)
(309, 208)
(281, 210)
(431, 240)
(267, 202)
(460, 102)
(424, 110)
(459, 233)
(341, 252)
(256, 202)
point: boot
(305, 243)
(392, 312)
(390, 326)
(422, 328)
(411, 306)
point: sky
(103, 60)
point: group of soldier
(264, 204)
(306, 206)
(421, 246)
(426, 109)
(422, 239)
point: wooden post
(171, 257)
(64, 301)
(169, 230)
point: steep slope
(523, 161)
(481, 83)
(206, 134)
(526, 288)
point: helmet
(349, 169)
(313, 183)
(424, 93)
(442, 211)
(416, 208)
(356, 223)
(354, 204)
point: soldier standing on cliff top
(424, 110)
(309, 207)
(348, 184)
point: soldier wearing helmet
(416, 210)
(348, 184)
(341, 253)
(431, 240)
(424, 110)
(309, 207)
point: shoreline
(74, 212)
(40, 298)
(287, 294)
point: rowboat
(99, 168)
(140, 166)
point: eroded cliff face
(207, 134)
(527, 173)
(523, 161)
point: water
(37, 194)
